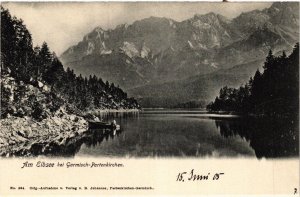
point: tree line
(32, 65)
(273, 92)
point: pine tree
(8, 39)
(46, 59)
(273, 92)
(269, 60)
(38, 64)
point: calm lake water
(193, 133)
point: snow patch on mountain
(145, 51)
(129, 49)
(90, 48)
(157, 46)
(190, 44)
(214, 65)
(105, 52)
(226, 34)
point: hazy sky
(64, 24)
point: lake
(191, 133)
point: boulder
(40, 84)
(72, 117)
(46, 88)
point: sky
(63, 24)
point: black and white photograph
(149, 98)
(150, 80)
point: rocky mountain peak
(286, 13)
(282, 5)
(211, 23)
(280, 13)
(122, 26)
(153, 20)
(163, 49)
(207, 15)
(249, 21)
(210, 18)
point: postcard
(149, 98)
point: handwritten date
(192, 176)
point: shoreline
(252, 115)
(28, 137)
(112, 111)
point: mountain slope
(202, 88)
(26, 71)
(161, 51)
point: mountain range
(163, 62)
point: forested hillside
(274, 92)
(34, 81)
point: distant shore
(112, 111)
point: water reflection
(270, 138)
(169, 135)
(182, 135)
(90, 138)
(95, 137)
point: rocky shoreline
(28, 137)
(37, 125)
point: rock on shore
(26, 136)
